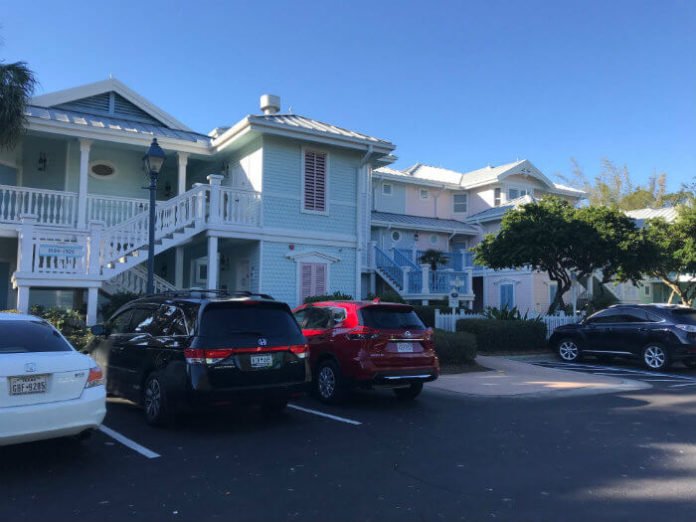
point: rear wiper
(245, 332)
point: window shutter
(315, 181)
(305, 280)
(312, 279)
(320, 278)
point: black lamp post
(153, 162)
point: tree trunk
(561, 288)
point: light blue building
(277, 203)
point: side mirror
(98, 330)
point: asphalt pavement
(621, 455)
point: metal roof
(495, 213)
(423, 223)
(295, 121)
(128, 127)
(642, 214)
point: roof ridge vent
(270, 103)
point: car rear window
(685, 315)
(250, 320)
(30, 336)
(390, 318)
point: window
(396, 236)
(102, 169)
(242, 323)
(424, 193)
(553, 288)
(120, 323)
(313, 279)
(387, 189)
(507, 296)
(31, 336)
(496, 197)
(314, 181)
(646, 290)
(517, 192)
(433, 239)
(318, 318)
(459, 203)
(143, 321)
(390, 318)
(171, 321)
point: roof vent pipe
(270, 103)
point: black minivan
(187, 350)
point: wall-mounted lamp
(415, 236)
(167, 190)
(43, 162)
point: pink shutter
(320, 278)
(305, 280)
(315, 181)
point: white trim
(108, 163)
(312, 256)
(327, 172)
(112, 84)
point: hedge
(68, 322)
(427, 313)
(455, 347)
(505, 336)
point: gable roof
(496, 213)
(641, 215)
(480, 177)
(89, 95)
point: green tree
(552, 236)
(433, 258)
(670, 253)
(17, 83)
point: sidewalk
(512, 378)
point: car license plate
(404, 347)
(261, 361)
(28, 385)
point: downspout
(362, 188)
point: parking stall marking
(634, 373)
(327, 415)
(128, 442)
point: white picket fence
(445, 321)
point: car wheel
(409, 393)
(329, 383)
(568, 350)
(155, 403)
(690, 363)
(274, 406)
(655, 357)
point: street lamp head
(154, 157)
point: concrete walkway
(511, 378)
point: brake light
(95, 378)
(194, 355)
(361, 333)
(301, 350)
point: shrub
(336, 296)
(505, 336)
(115, 302)
(387, 297)
(427, 313)
(455, 347)
(68, 322)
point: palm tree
(434, 258)
(17, 84)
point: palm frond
(17, 83)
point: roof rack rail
(246, 293)
(191, 292)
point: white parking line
(128, 442)
(327, 415)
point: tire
(274, 406)
(655, 357)
(409, 393)
(155, 402)
(690, 363)
(568, 350)
(329, 383)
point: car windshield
(685, 315)
(391, 318)
(247, 320)
(30, 336)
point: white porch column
(179, 267)
(23, 299)
(215, 180)
(92, 301)
(407, 277)
(425, 270)
(183, 162)
(213, 265)
(85, 146)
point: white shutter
(315, 181)
(320, 278)
(305, 280)
(313, 279)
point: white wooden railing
(185, 210)
(240, 207)
(112, 210)
(51, 207)
(56, 252)
(135, 281)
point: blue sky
(455, 84)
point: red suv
(366, 344)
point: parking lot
(442, 457)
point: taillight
(210, 356)
(95, 378)
(301, 350)
(194, 355)
(362, 333)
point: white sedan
(47, 388)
